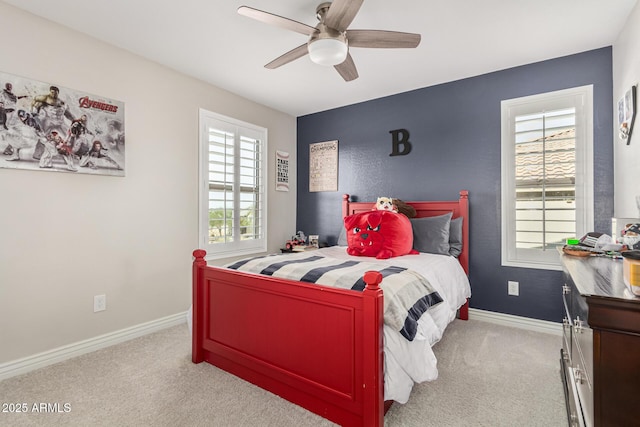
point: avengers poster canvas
(44, 126)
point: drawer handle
(579, 376)
(578, 324)
(574, 420)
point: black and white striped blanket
(407, 294)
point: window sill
(535, 265)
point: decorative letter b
(400, 137)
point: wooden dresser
(600, 358)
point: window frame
(580, 98)
(239, 129)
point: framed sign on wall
(282, 171)
(323, 166)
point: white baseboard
(516, 321)
(40, 360)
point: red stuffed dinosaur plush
(380, 234)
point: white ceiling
(209, 40)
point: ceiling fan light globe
(328, 51)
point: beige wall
(626, 73)
(65, 238)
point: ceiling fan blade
(347, 69)
(278, 21)
(382, 39)
(341, 13)
(292, 55)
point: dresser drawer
(566, 337)
(574, 410)
(583, 385)
(583, 341)
(582, 355)
(566, 321)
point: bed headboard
(459, 208)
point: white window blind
(233, 195)
(547, 175)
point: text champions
(324, 146)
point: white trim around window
(232, 213)
(536, 179)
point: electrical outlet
(514, 288)
(99, 303)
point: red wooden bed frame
(316, 346)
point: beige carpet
(490, 375)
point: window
(547, 175)
(233, 214)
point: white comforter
(408, 362)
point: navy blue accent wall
(455, 135)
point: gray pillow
(431, 234)
(342, 237)
(455, 237)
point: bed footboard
(318, 347)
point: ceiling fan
(330, 40)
